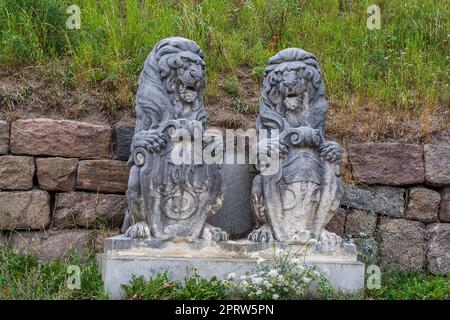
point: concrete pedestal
(123, 258)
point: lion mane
(157, 93)
(272, 107)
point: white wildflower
(273, 273)
(231, 276)
(275, 297)
(300, 267)
(257, 280)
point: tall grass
(23, 277)
(403, 65)
(411, 286)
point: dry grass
(362, 123)
(38, 91)
(32, 93)
(388, 84)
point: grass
(412, 286)
(162, 287)
(22, 277)
(405, 65)
(395, 286)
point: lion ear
(317, 81)
(273, 79)
(309, 73)
(314, 75)
(164, 69)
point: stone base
(125, 257)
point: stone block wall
(61, 186)
(397, 210)
(63, 183)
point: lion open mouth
(188, 93)
(293, 100)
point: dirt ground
(33, 92)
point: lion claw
(214, 234)
(139, 230)
(263, 234)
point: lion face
(291, 80)
(187, 76)
(191, 75)
(293, 91)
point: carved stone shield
(179, 197)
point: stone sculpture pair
(169, 201)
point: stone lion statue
(299, 199)
(168, 200)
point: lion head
(171, 84)
(183, 73)
(292, 81)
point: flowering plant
(285, 276)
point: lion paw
(153, 142)
(329, 241)
(139, 230)
(215, 234)
(263, 234)
(330, 151)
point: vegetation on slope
(391, 83)
(24, 277)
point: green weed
(23, 277)
(161, 287)
(403, 65)
(411, 286)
